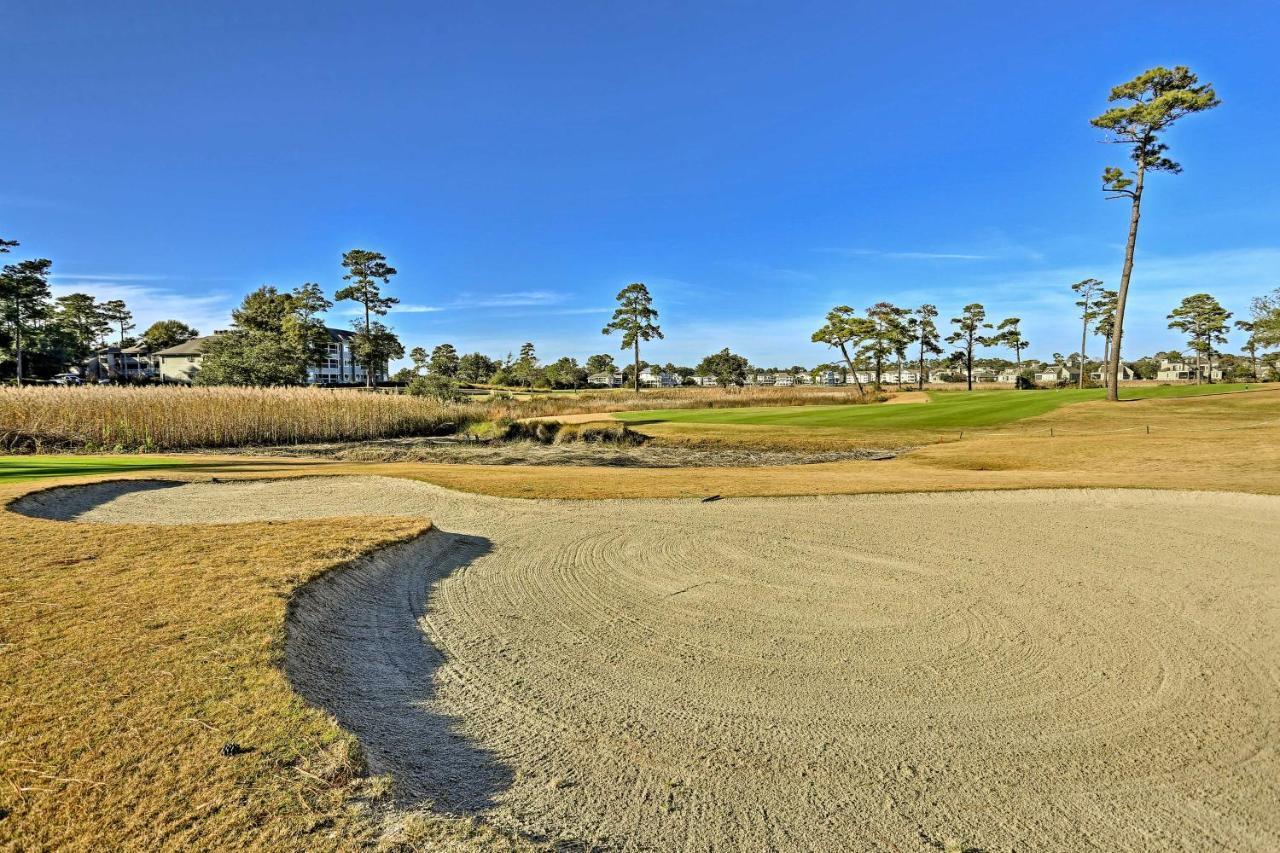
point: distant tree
(444, 361)
(923, 328)
(435, 385)
(631, 372)
(1009, 333)
(602, 363)
(1106, 324)
(364, 270)
(566, 373)
(6, 245)
(250, 358)
(728, 369)
(421, 361)
(1250, 345)
(163, 334)
(476, 368)
(525, 368)
(374, 346)
(1154, 100)
(968, 333)
(887, 336)
(303, 326)
(1089, 306)
(276, 337)
(1264, 312)
(634, 318)
(82, 318)
(1204, 321)
(843, 330)
(116, 312)
(24, 300)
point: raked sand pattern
(1049, 670)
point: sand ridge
(998, 670)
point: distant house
(803, 379)
(705, 381)
(1174, 371)
(339, 366)
(784, 380)
(661, 379)
(828, 377)
(1008, 376)
(135, 362)
(1058, 373)
(606, 379)
(763, 379)
(1126, 373)
(983, 374)
(181, 363)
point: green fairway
(14, 469)
(946, 409)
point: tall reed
(181, 418)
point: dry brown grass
(1204, 443)
(171, 417)
(130, 654)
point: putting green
(948, 409)
(15, 469)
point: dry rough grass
(161, 418)
(130, 654)
(818, 674)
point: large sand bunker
(1033, 670)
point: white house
(784, 380)
(705, 381)
(1173, 371)
(181, 363)
(1058, 373)
(339, 365)
(662, 379)
(829, 377)
(1126, 373)
(606, 379)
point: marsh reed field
(158, 418)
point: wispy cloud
(100, 277)
(905, 256)
(206, 310)
(519, 298)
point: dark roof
(192, 347)
(196, 345)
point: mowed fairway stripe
(947, 410)
(1012, 669)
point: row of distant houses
(182, 363)
(1043, 374)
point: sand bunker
(1030, 670)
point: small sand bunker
(1029, 670)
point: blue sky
(519, 163)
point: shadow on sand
(354, 647)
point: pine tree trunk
(1084, 339)
(636, 378)
(18, 343)
(368, 368)
(968, 365)
(1113, 361)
